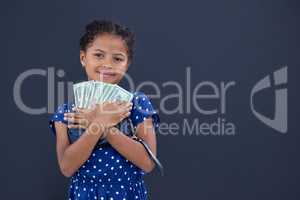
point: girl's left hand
(79, 119)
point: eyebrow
(99, 50)
(117, 54)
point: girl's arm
(72, 156)
(133, 150)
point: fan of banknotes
(92, 92)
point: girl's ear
(82, 58)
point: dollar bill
(88, 93)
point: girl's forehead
(109, 43)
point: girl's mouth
(103, 74)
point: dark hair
(98, 27)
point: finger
(79, 110)
(122, 110)
(69, 119)
(122, 102)
(102, 104)
(97, 106)
(82, 110)
(72, 119)
(69, 114)
(78, 107)
(128, 109)
(125, 115)
(125, 105)
(94, 106)
(73, 115)
(83, 122)
(74, 109)
(116, 100)
(129, 104)
(78, 126)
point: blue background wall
(240, 41)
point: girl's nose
(107, 64)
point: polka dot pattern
(143, 109)
(107, 175)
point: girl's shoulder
(142, 109)
(58, 115)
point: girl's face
(105, 59)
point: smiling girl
(114, 169)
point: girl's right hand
(105, 115)
(110, 114)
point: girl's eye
(99, 55)
(118, 59)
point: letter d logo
(279, 122)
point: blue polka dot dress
(107, 175)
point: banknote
(88, 93)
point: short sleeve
(143, 109)
(58, 116)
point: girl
(114, 169)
